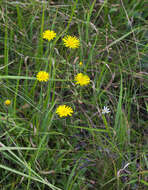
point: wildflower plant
(64, 111)
(42, 76)
(82, 79)
(105, 110)
(49, 35)
(71, 42)
(7, 102)
(69, 144)
(80, 63)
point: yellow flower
(82, 79)
(42, 76)
(80, 63)
(71, 41)
(64, 110)
(49, 35)
(7, 102)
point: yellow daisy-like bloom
(49, 35)
(64, 111)
(82, 79)
(80, 63)
(71, 41)
(7, 102)
(42, 76)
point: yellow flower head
(64, 111)
(71, 41)
(42, 76)
(49, 35)
(7, 102)
(80, 63)
(82, 79)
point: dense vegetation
(89, 150)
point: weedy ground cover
(73, 109)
